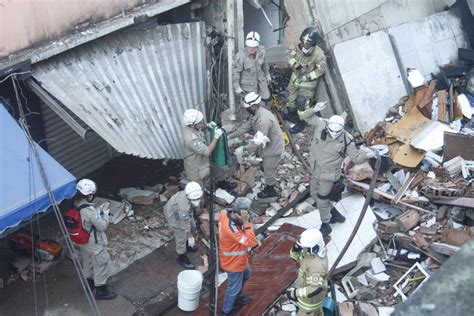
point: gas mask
(335, 130)
(251, 50)
(195, 203)
(237, 218)
(250, 111)
(90, 197)
(307, 51)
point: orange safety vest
(234, 243)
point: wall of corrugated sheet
(79, 156)
(131, 87)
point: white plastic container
(189, 288)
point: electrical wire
(54, 205)
(14, 74)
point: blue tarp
(22, 192)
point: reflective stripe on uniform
(243, 239)
(234, 253)
(308, 306)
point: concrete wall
(27, 23)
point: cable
(54, 205)
(14, 74)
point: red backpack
(74, 227)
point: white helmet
(192, 117)
(86, 187)
(193, 191)
(335, 125)
(252, 39)
(252, 98)
(311, 238)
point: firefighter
(179, 214)
(268, 140)
(308, 63)
(329, 146)
(311, 284)
(95, 257)
(251, 72)
(236, 238)
(196, 151)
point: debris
(445, 249)
(408, 220)
(377, 266)
(456, 237)
(411, 281)
(137, 196)
(458, 145)
(223, 197)
(431, 137)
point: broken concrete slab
(371, 76)
(431, 137)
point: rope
(54, 205)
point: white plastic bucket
(189, 287)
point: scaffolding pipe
(230, 13)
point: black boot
(102, 293)
(336, 217)
(268, 192)
(292, 115)
(325, 229)
(227, 185)
(90, 282)
(298, 127)
(184, 261)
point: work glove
(369, 152)
(291, 293)
(238, 90)
(211, 124)
(218, 133)
(239, 151)
(106, 213)
(260, 139)
(303, 78)
(297, 67)
(320, 106)
(269, 78)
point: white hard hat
(86, 187)
(192, 117)
(252, 39)
(193, 191)
(311, 238)
(252, 98)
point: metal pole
(230, 13)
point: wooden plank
(451, 103)
(425, 104)
(408, 220)
(442, 106)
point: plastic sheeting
(22, 192)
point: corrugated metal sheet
(272, 272)
(79, 156)
(132, 86)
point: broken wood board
(415, 98)
(407, 156)
(408, 220)
(445, 249)
(455, 237)
(458, 145)
(442, 115)
(425, 104)
(408, 126)
(362, 188)
(246, 179)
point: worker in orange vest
(236, 238)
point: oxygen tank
(220, 155)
